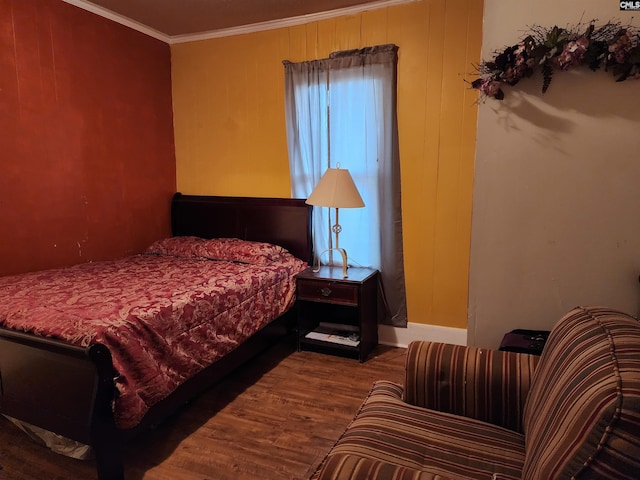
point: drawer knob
(326, 291)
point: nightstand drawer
(329, 292)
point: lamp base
(345, 264)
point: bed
(83, 381)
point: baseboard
(401, 337)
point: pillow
(245, 251)
(227, 249)
(177, 247)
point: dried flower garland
(612, 46)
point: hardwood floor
(274, 419)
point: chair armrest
(488, 385)
(353, 467)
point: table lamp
(336, 190)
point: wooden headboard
(281, 221)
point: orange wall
(230, 127)
(86, 135)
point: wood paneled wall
(87, 162)
(231, 140)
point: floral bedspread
(163, 317)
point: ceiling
(167, 19)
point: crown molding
(127, 22)
(241, 30)
(286, 22)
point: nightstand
(338, 315)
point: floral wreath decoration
(612, 46)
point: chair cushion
(487, 385)
(582, 415)
(404, 438)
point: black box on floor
(524, 341)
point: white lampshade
(336, 190)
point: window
(342, 110)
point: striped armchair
(471, 413)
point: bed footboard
(64, 389)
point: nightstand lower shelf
(320, 346)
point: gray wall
(557, 186)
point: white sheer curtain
(342, 111)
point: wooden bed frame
(68, 390)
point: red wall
(87, 160)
